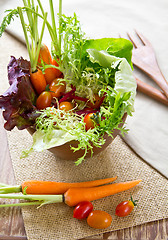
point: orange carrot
(50, 75)
(44, 55)
(48, 187)
(71, 197)
(45, 58)
(38, 81)
(58, 73)
(76, 195)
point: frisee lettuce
(56, 127)
(124, 79)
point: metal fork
(143, 57)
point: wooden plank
(11, 224)
(13, 238)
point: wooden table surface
(12, 226)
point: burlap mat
(55, 221)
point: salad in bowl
(74, 98)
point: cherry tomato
(82, 210)
(67, 106)
(99, 219)
(56, 88)
(89, 122)
(125, 208)
(95, 103)
(43, 100)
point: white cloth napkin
(148, 135)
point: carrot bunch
(42, 192)
(40, 79)
(45, 59)
(39, 54)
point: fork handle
(161, 81)
(156, 75)
(151, 92)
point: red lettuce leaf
(18, 102)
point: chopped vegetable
(99, 219)
(48, 187)
(125, 208)
(72, 196)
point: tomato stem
(134, 201)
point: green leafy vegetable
(118, 47)
(124, 79)
(56, 127)
(18, 102)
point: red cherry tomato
(99, 219)
(96, 102)
(67, 106)
(82, 210)
(89, 122)
(57, 89)
(43, 100)
(125, 208)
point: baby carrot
(48, 187)
(38, 81)
(52, 73)
(58, 73)
(44, 55)
(45, 58)
(76, 195)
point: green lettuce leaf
(124, 79)
(118, 47)
(57, 137)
